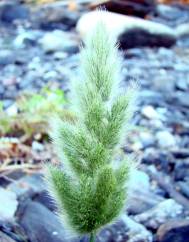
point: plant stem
(92, 237)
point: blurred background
(39, 55)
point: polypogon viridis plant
(90, 186)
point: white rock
(12, 110)
(182, 29)
(139, 179)
(56, 40)
(149, 112)
(25, 35)
(147, 139)
(158, 215)
(136, 231)
(8, 204)
(165, 139)
(137, 146)
(118, 24)
(59, 55)
(37, 146)
(50, 75)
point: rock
(163, 82)
(36, 146)
(55, 16)
(33, 183)
(158, 215)
(130, 31)
(149, 112)
(57, 41)
(141, 200)
(12, 12)
(26, 37)
(8, 205)
(168, 12)
(181, 153)
(60, 55)
(181, 67)
(40, 224)
(146, 36)
(149, 97)
(136, 231)
(183, 41)
(12, 110)
(11, 231)
(182, 85)
(144, 140)
(174, 231)
(10, 81)
(139, 179)
(50, 75)
(4, 3)
(5, 238)
(2, 89)
(181, 171)
(7, 103)
(182, 30)
(6, 57)
(131, 7)
(162, 159)
(34, 64)
(165, 139)
(184, 188)
(46, 200)
(183, 99)
(126, 229)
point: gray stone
(182, 84)
(12, 12)
(7, 103)
(33, 183)
(168, 12)
(165, 139)
(184, 187)
(163, 82)
(48, 16)
(139, 8)
(50, 75)
(57, 41)
(183, 99)
(25, 37)
(5, 238)
(8, 204)
(136, 232)
(40, 224)
(125, 229)
(176, 230)
(140, 200)
(2, 89)
(158, 215)
(6, 57)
